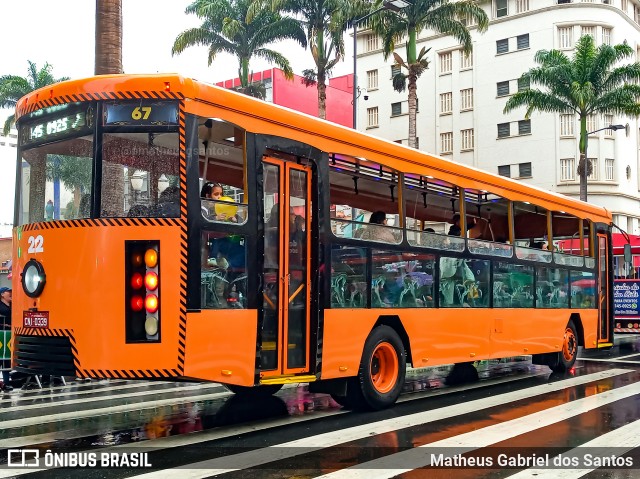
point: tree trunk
(583, 167)
(322, 97)
(108, 37)
(412, 86)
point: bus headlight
(33, 278)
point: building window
(523, 41)
(567, 169)
(504, 130)
(523, 84)
(467, 139)
(592, 123)
(372, 79)
(466, 99)
(566, 125)
(466, 60)
(395, 69)
(606, 36)
(468, 21)
(522, 6)
(502, 88)
(609, 173)
(445, 62)
(608, 121)
(501, 8)
(446, 142)
(504, 170)
(502, 46)
(396, 109)
(594, 169)
(589, 30)
(524, 170)
(370, 43)
(445, 103)
(524, 127)
(372, 116)
(565, 37)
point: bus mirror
(627, 253)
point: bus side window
(224, 271)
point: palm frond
(537, 100)
(399, 82)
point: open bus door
(605, 323)
(286, 277)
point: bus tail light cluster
(142, 299)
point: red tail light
(136, 281)
(151, 281)
(142, 269)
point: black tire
(378, 385)
(254, 391)
(567, 357)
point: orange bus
(168, 229)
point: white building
(8, 152)
(461, 100)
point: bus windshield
(138, 170)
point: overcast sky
(62, 34)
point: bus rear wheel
(381, 373)
(254, 391)
(569, 353)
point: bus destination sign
(141, 113)
(54, 128)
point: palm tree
(13, 87)
(108, 37)
(227, 28)
(325, 22)
(587, 84)
(441, 16)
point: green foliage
(13, 87)
(592, 82)
(73, 171)
(256, 90)
(227, 27)
(325, 22)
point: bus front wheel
(381, 373)
(569, 353)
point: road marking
(68, 402)
(624, 439)
(623, 361)
(290, 449)
(396, 464)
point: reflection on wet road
(497, 426)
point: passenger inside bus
(214, 210)
(376, 230)
(223, 276)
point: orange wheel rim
(384, 367)
(569, 345)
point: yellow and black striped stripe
(124, 95)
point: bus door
(604, 323)
(286, 276)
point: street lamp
(394, 6)
(585, 166)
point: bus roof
(262, 117)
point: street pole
(355, 74)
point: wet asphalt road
(515, 409)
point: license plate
(35, 319)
